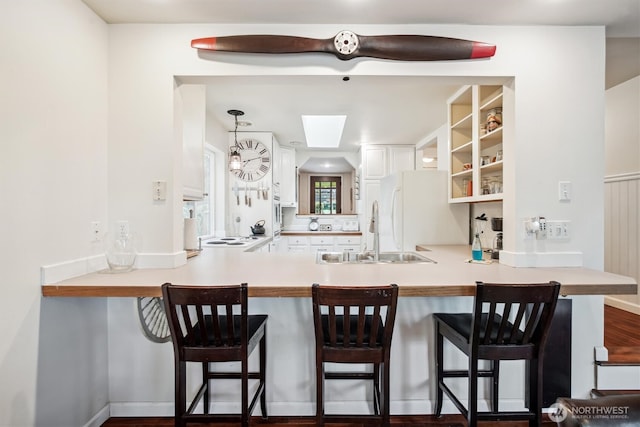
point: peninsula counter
(141, 372)
(292, 274)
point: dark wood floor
(621, 337)
(396, 421)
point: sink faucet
(375, 229)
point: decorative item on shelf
(498, 155)
(485, 160)
(235, 161)
(494, 119)
(466, 166)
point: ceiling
(390, 110)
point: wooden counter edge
(274, 291)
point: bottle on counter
(476, 248)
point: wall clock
(256, 160)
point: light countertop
(320, 233)
(292, 274)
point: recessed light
(427, 159)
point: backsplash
(293, 222)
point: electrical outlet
(122, 229)
(558, 230)
(94, 231)
(542, 232)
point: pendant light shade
(235, 161)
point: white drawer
(321, 240)
(348, 240)
(297, 240)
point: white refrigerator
(414, 209)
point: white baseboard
(306, 409)
(100, 418)
(622, 304)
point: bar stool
(509, 322)
(349, 328)
(204, 329)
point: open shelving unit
(475, 145)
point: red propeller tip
(482, 50)
(206, 43)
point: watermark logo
(557, 413)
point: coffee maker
(496, 225)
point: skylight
(323, 131)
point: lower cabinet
(296, 244)
(322, 243)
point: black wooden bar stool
(205, 329)
(349, 328)
(509, 322)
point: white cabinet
(401, 158)
(297, 244)
(190, 111)
(374, 161)
(379, 161)
(289, 178)
(322, 243)
(476, 143)
(348, 243)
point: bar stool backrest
(513, 319)
(208, 322)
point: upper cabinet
(289, 178)
(475, 121)
(190, 107)
(379, 161)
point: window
(203, 209)
(325, 195)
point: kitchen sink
(367, 258)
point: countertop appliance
(229, 242)
(414, 209)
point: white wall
(622, 127)
(67, 161)
(555, 70)
(622, 185)
(53, 183)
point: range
(225, 242)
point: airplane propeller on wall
(347, 45)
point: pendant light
(235, 161)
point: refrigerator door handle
(394, 196)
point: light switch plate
(159, 190)
(564, 191)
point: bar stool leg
(439, 371)
(495, 369)
(263, 374)
(376, 389)
(386, 403)
(472, 408)
(319, 393)
(181, 392)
